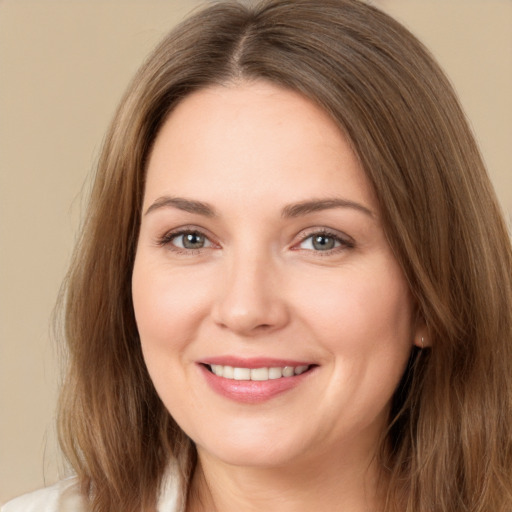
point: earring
(422, 342)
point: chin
(261, 450)
(255, 458)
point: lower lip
(252, 391)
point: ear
(421, 338)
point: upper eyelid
(299, 238)
(182, 230)
(306, 233)
(345, 241)
(187, 229)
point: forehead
(256, 140)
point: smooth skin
(261, 237)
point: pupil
(323, 243)
(193, 241)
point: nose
(251, 298)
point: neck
(329, 483)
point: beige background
(63, 67)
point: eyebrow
(316, 205)
(187, 205)
(291, 210)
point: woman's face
(274, 320)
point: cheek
(168, 306)
(168, 310)
(365, 307)
(367, 329)
(364, 321)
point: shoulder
(64, 496)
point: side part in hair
(449, 445)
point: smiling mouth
(257, 374)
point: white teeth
(226, 371)
(217, 369)
(288, 371)
(300, 369)
(260, 374)
(275, 373)
(241, 373)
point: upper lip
(253, 362)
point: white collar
(169, 499)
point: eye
(324, 242)
(319, 242)
(188, 240)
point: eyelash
(167, 239)
(343, 243)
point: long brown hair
(449, 442)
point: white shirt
(64, 496)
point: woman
(293, 290)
